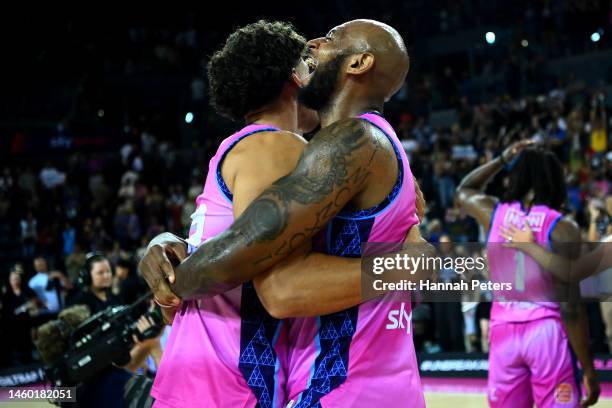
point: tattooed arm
(314, 284)
(335, 167)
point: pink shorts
(531, 362)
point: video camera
(102, 339)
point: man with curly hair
(353, 183)
(255, 77)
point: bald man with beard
(352, 185)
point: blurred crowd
(52, 215)
(141, 170)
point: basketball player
(251, 337)
(530, 357)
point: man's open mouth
(310, 62)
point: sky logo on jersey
(400, 319)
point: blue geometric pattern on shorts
(331, 365)
(336, 330)
(257, 361)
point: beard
(318, 93)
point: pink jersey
(363, 356)
(223, 351)
(506, 265)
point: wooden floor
(433, 400)
(445, 400)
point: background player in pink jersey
(529, 357)
(255, 76)
(352, 165)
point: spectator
(19, 304)
(447, 312)
(96, 280)
(599, 135)
(127, 286)
(50, 177)
(29, 235)
(74, 262)
(69, 237)
(49, 287)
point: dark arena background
(106, 132)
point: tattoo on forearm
(326, 165)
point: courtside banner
(502, 272)
(476, 365)
(22, 375)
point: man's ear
(359, 64)
(296, 80)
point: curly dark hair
(539, 170)
(253, 66)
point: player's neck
(281, 114)
(348, 105)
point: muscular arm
(561, 267)
(573, 312)
(470, 193)
(567, 270)
(334, 168)
(314, 284)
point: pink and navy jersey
(365, 355)
(532, 287)
(223, 351)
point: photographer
(109, 385)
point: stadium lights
(101, 113)
(189, 117)
(490, 37)
(525, 43)
(595, 36)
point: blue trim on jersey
(312, 368)
(258, 361)
(550, 230)
(386, 203)
(225, 191)
(335, 331)
(277, 365)
(492, 221)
